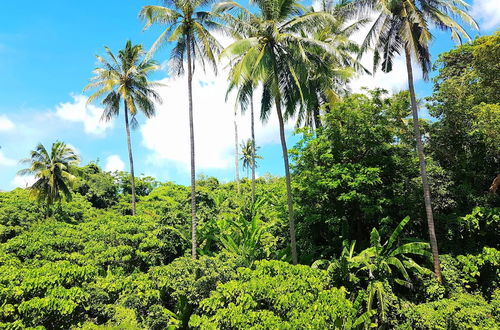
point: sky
(47, 54)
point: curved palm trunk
(236, 158)
(423, 170)
(131, 159)
(252, 120)
(194, 244)
(291, 221)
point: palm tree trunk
(194, 244)
(130, 158)
(291, 221)
(236, 158)
(423, 170)
(252, 120)
(317, 120)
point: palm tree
(236, 152)
(125, 78)
(249, 155)
(404, 26)
(245, 97)
(52, 172)
(187, 25)
(270, 51)
(329, 73)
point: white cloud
(5, 161)
(89, 115)
(6, 124)
(23, 181)
(167, 134)
(114, 163)
(487, 12)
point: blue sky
(47, 53)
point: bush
(275, 295)
(461, 311)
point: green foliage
(275, 295)
(98, 187)
(17, 212)
(356, 173)
(465, 101)
(461, 311)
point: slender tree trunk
(130, 158)
(254, 147)
(194, 244)
(423, 170)
(236, 158)
(291, 221)
(317, 119)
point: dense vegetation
(344, 240)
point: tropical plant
(381, 265)
(187, 25)
(249, 156)
(270, 51)
(404, 26)
(328, 74)
(52, 171)
(125, 78)
(243, 98)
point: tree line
(301, 58)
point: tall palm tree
(404, 26)
(187, 25)
(236, 152)
(244, 99)
(270, 51)
(52, 172)
(125, 78)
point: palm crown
(52, 172)
(125, 77)
(406, 24)
(187, 25)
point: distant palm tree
(52, 172)
(187, 25)
(249, 155)
(404, 26)
(244, 98)
(126, 78)
(269, 50)
(236, 152)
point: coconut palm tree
(329, 74)
(249, 155)
(236, 153)
(403, 26)
(270, 51)
(187, 24)
(244, 98)
(124, 78)
(52, 172)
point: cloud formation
(23, 181)
(89, 115)
(167, 134)
(487, 12)
(6, 161)
(6, 124)
(114, 163)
